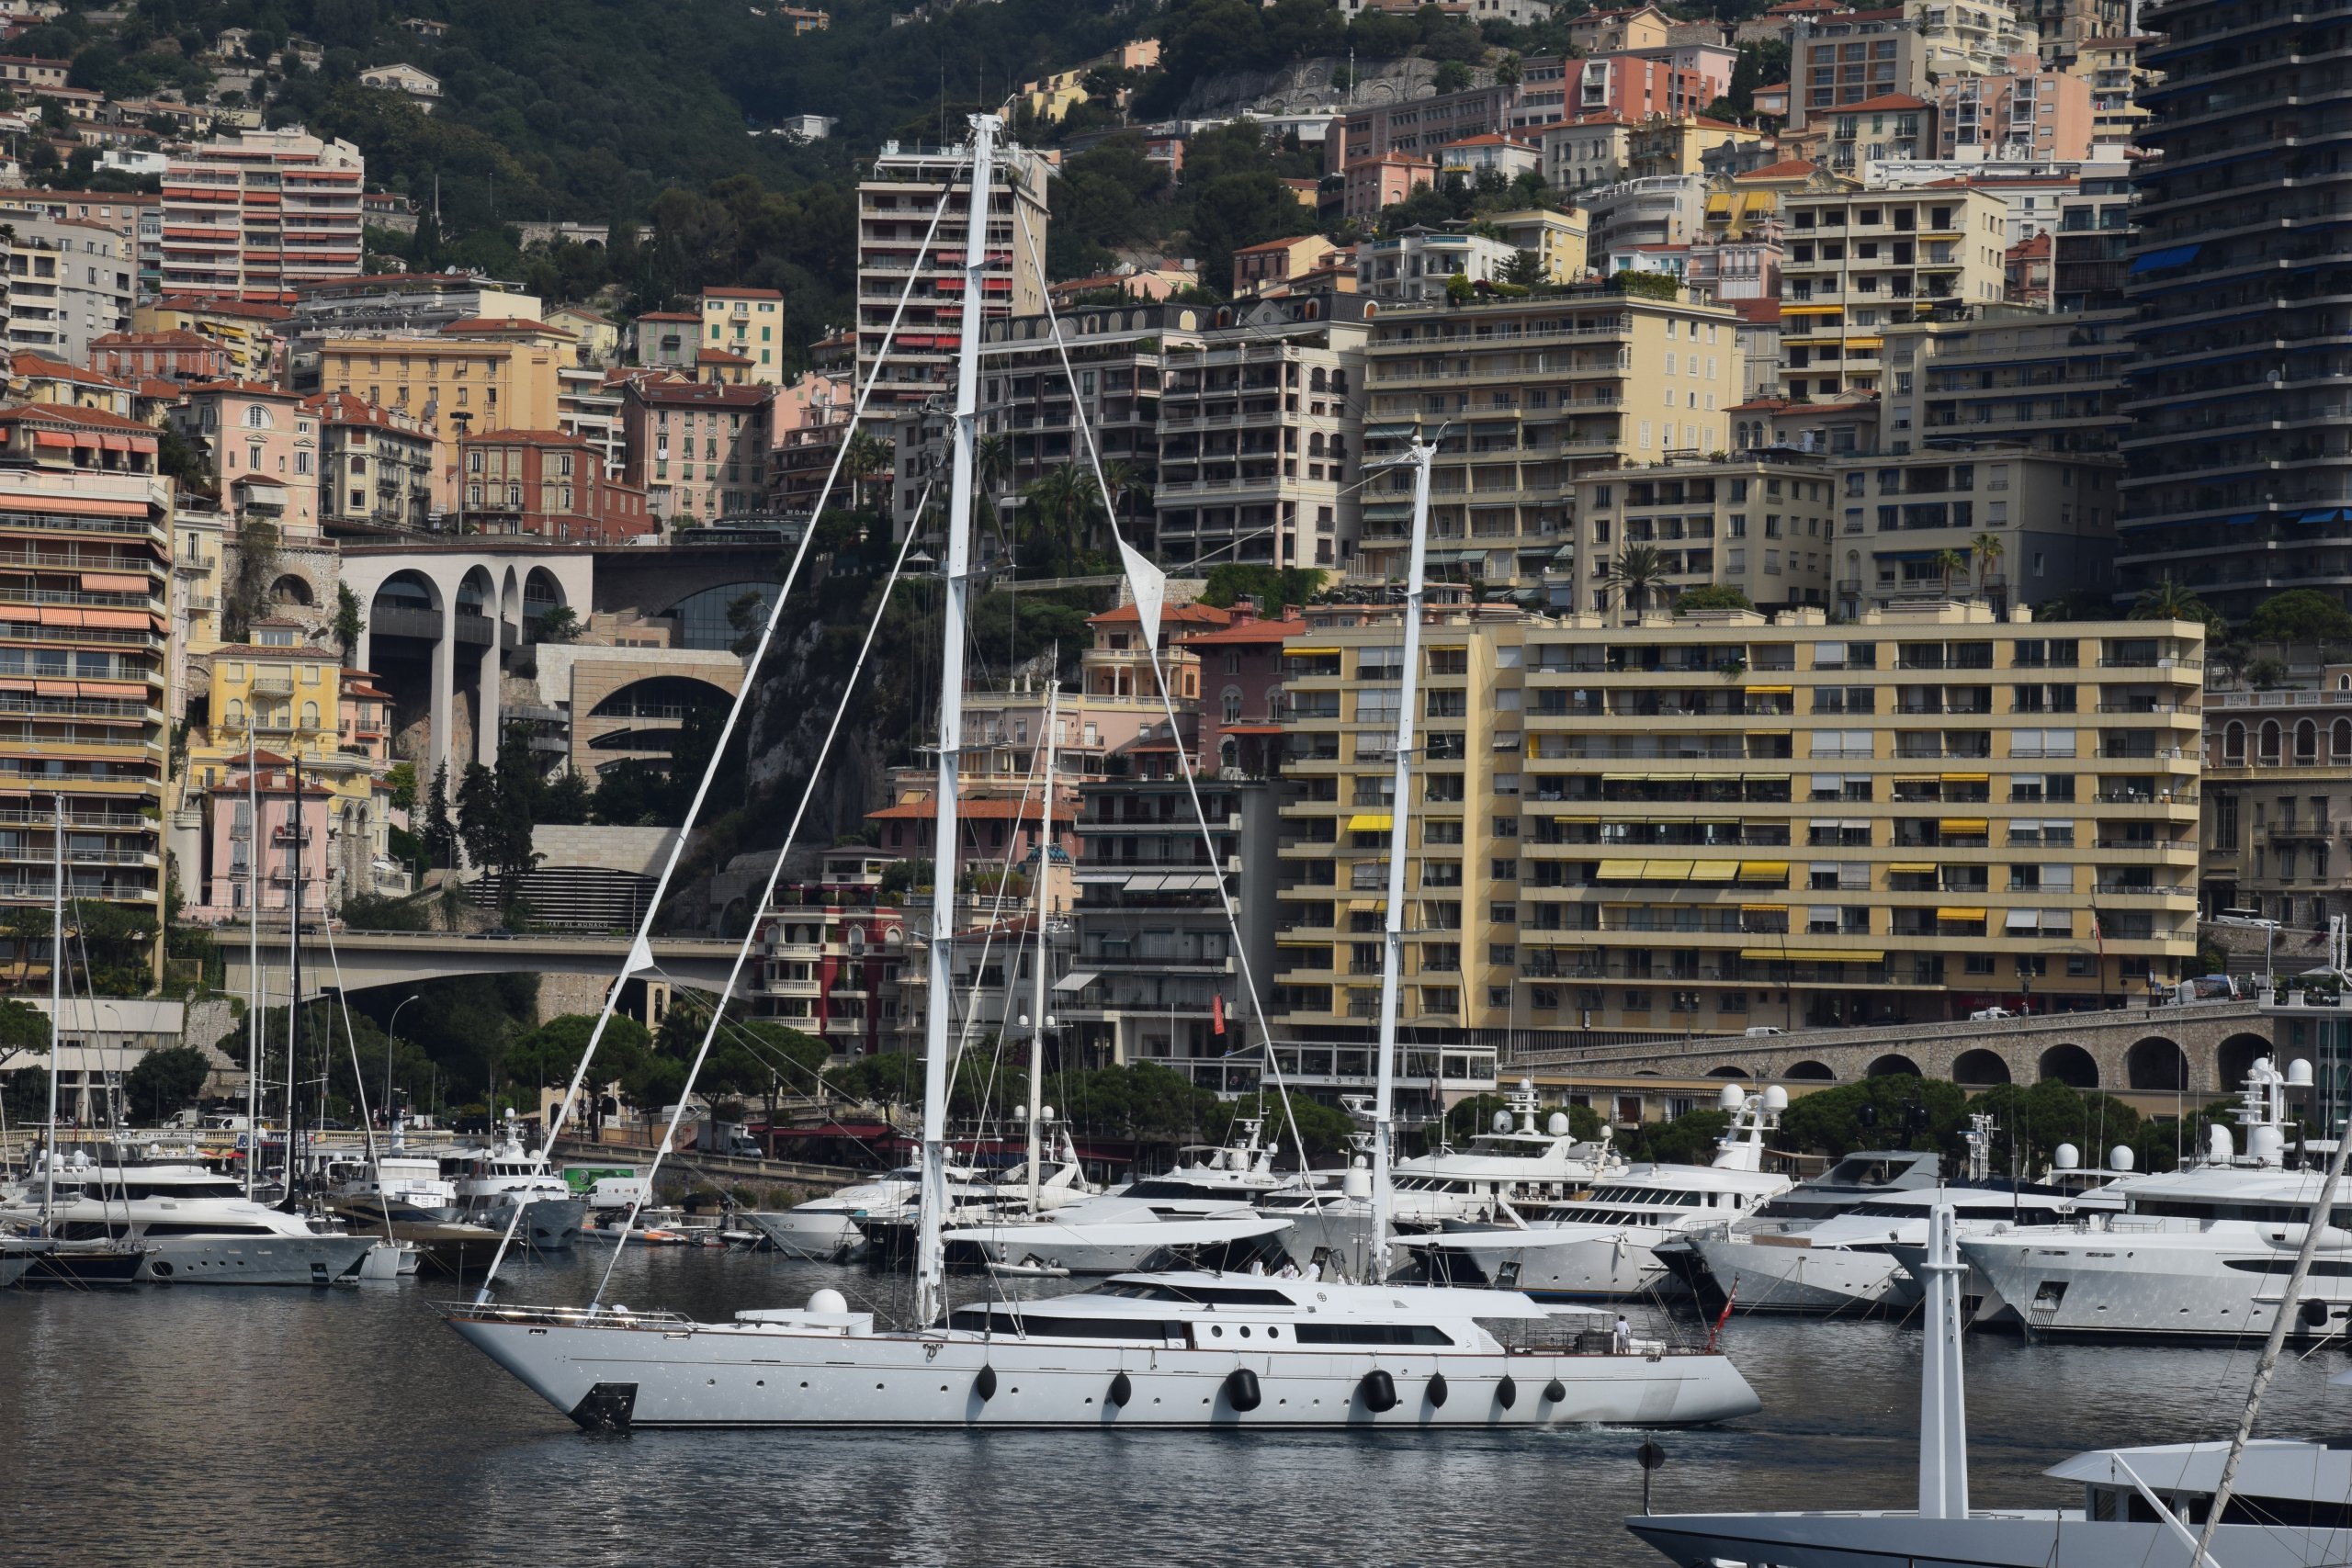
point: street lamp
(391, 1034)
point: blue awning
(2157, 260)
(1906, 555)
(2243, 518)
(2325, 515)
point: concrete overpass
(2200, 1050)
(371, 959)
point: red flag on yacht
(1217, 1010)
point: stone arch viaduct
(2202, 1049)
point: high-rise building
(258, 216)
(1521, 397)
(1859, 261)
(2052, 380)
(85, 520)
(1606, 818)
(895, 201)
(2240, 458)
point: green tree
(440, 834)
(1634, 571)
(1712, 596)
(2299, 615)
(1983, 552)
(1833, 1121)
(2169, 601)
(245, 597)
(1453, 77)
(1459, 289)
(1272, 587)
(1524, 270)
(401, 777)
(349, 625)
(1057, 506)
(1690, 1139)
(559, 624)
(548, 1056)
(1947, 561)
(163, 1081)
(864, 458)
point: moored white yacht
(394, 1186)
(1604, 1245)
(493, 1182)
(195, 1226)
(1850, 1181)
(2198, 1252)
(1180, 1350)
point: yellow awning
(1961, 825)
(1763, 908)
(1310, 653)
(1967, 915)
(1620, 871)
(1770, 690)
(1754, 732)
(1968, 778)
(1666, 870)
(1913, 867)
(1591, 820)
(1863, 342)
(1811, 310)
(1713, 870)
(1371, 822)
(1359, 906)
(1323, 947)
(1809, 956)
(1762, 870)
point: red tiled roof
(1786, 169)
(720, 356)
(1282, 244)
(965, 810)
(1755, 313)
(245, 388)
(506, 324)
(1172, 615)
(671, 316)
(62, 413)
(205, 305)
(1250, 631)
(26, 363)
(1883, 102)
(742, 294)
(176, 338)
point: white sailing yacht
(1184, 1349)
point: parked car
(2254, 918)
(1759, 1030)
(1985, 1015)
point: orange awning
(107, 583)
(50, 615)
(132, 619)
(77, 506)
(57, 688)
(52, 438)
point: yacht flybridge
(1179, 1349)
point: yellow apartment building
(1557, 238)
(1859, 261)
(247, 332)
(1521, 397)
(471, 376)
(1725, 820)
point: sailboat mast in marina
(1184, 1347)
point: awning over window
(1913, 867)
(2172, 256)
(1963, 825)
(1076, 980)
(1809, 956)
(1371, 822)
(1763, 869)
(1965, 917)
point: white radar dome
(1502, 1122)
(2068, 1157)
(1558, 1124)
(828, 1300)
(1732, 1097)
(2121, 1157)
(2219, 1144)
(1776, 1099)
(2299, 1072)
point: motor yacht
(2196, 1253)
(1115, 1233)
(1604, 1245)
(492, 1182)
(394, 1186)
(1849, 1182)
(193, 1225)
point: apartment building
(697, 450)
(1858, 262)
(1891, 126)
(407, 304)
(2111, 66)
(2278, 789)
(478, 375)
(2089, 246)
(748, 323)
(375, 466)
(1522, 396)
(1557, 240)
(1259, 434)
(895, 201)
(71, 282)
(1971, 37)
(1382, 180)
(263, 444)
(1664, 209)
(1640, 85)
(1679, 144)
(2051, 380)
(1848, 57)
(2241, 460)
(547, 483)
(258, 215)
(249, 332)
(1026, 398)
(1417, 265)
(1764, 523)
(831, 956)
(1992, 812)
(2004, 522)
(1587, 151)
(2014, 115)
(86, 521)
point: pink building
(1240, 668)
(165, 357)
(1385, 179)
(2021, 116)
(229, 838)
(263, 446)
(1637, 86)
(814, 399)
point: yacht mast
(56, 1013)
(1392, 956)
(293, 970)
(253, 952)
(1045, 949)
(930, 1270)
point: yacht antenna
(1044, 950)
(930, 1270)
(1392, 956)
(56, 1013)
(253, 953)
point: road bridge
(370, 959)
(2201, 1048)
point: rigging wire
(641, 948)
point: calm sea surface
(203, 1424)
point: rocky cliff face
(1311, 84)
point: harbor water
(203, 1424)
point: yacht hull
(666, 1374)
(34, 1265)
(2019, 1539)
(550, 1224)
(1602, 1266)
(819, 1234)
(1799, 1279)
(2169, 1285)
(256, 1259)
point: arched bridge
(2203, 1048)
(368, 959)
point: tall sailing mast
(1392, 956)
(1045, 949)
(930, 1264)
(56, 1013)
(253, 952)
(293, 972)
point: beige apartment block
(1725, 820)
(2052, 380)
(1762, 524)
(1859, 261)
(1521, 397)
(2001, 522)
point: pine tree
(440, 836)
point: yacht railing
(564, 1317)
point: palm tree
(1059, 502)
(1947, 562)
(1128, 495)
(2168, 601)
(1507, 71)
(1636, 570)
(1984, 549)
(863, 457)
(991, 463)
